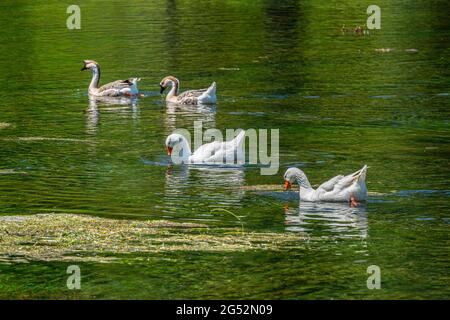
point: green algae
(58, 237)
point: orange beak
(287, 185)
(169, 151)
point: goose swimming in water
(193, 97)
(351, 188)
(216, 152)
(117, 88)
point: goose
(216, 152)
(117, 88)
(193, 97)
(350, 188)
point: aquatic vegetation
(11, 171)
(32, 139)
(263, 187)
(55, 237)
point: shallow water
(338, 102)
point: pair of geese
(350, 188)
(129, 88)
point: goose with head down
(192, 97)
(117, 88)
(216, 152)
(351, 188)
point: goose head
(168, 81)
(89, 64)
(293, 175)
(180, 144)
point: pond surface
(338, 100)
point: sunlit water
(339, 104)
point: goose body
(227, 152)
(349, 188)
(191, 97)
(117, 88)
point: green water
(337, 101)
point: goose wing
(330, 184)
(205, 151)
(236, 142)
(223, 154)
(350, 179)
(190, 96)
(220, 151)
(229, 151)
(116, 85)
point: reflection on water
(207, 186)
(328, 218)
(108, 104)
(183, 116)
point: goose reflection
(208, 187)
(329, 219)
(109, 104)
(183, 116)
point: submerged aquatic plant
(51, 237)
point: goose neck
(95, 78)
(302, 180)
(185, 150)
(175, 85)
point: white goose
(194, 97)
(351, 188)
(227, 152)
(117, 88)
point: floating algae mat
(263, 187)
(50, 237)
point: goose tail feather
(240, 137)
(211, 91)
(362, 173)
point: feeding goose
(351, 188)
(194, 97)
(216, 152)
(117, 88)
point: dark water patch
(311, 97)
(408, 193)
